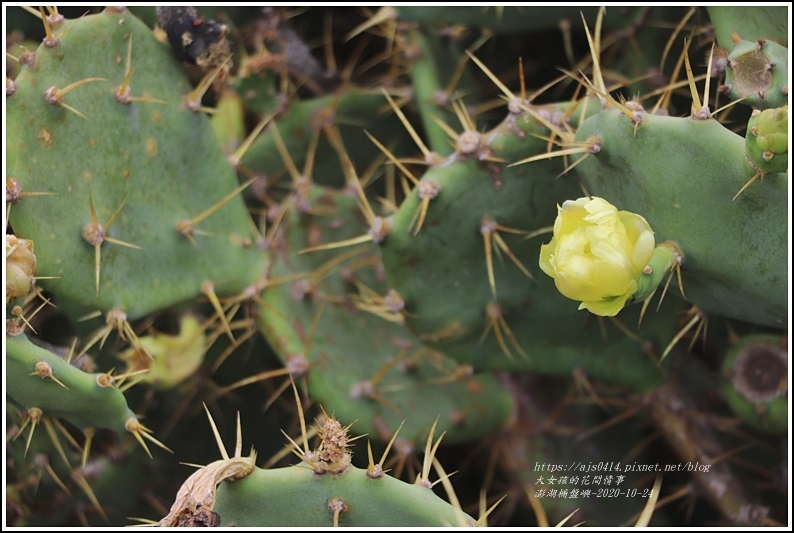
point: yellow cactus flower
(169, 359)
(597, 254)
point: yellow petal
(610, 307)
(546, 255)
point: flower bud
(20, 267)
(766, 142)
(597, 254)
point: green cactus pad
(78, 398)
(442, 274)
(681, 175)
(296, 497)
(148, 164)
(430, 76)
(749, 22)
(351, 108)
(351, 346)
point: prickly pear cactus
(332, 492)
(410, 386)
(134, 221)
(40, 380)
(509, 266)
(458, 248)
(705, 164)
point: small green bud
(766, 141)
